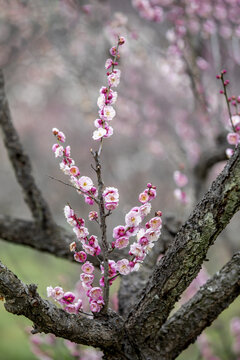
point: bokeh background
(168, 111)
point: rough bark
(183, 259)
(193, 317)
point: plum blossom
(99, 133)
(114, 78)
(80, 256)
(123, 267)
(87, 268)
(180, 179)
(85, 183)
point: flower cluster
(204, 18)
(233, 137)
(83, 184)
(146, 236)
(181, 180)
(108, 96)
(66, 299)
(111, 198)
(90, 246)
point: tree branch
(22, 166)
(184, 258)
(193, 317)
(21, 299)
(22, 232)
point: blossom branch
(184, 258)
(22, 165)
(193, 317)
(103, 226)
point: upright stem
(103, 226)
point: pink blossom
(89, 249)
(80, 256)
(99, 133)
(88, 200)
(118, 231)
(108, 113)
(58, 150)
(155, 223)
(235, 120)
(121, 242)
(152, 235)
(112, 97)
(98, 123)
(94, 306)
(233, 138)
(85, 183)
(108, 63)
(109, 130)
(101, 102)
(95, 293)
(111, 205)
(93, 241)
(123, 267)
(180, 179)
(81, 232)
(181, 196)
(133, 218)
(87, 268)
(67, 298)
(114, 78)
(87, 279)
(143, 197)
(74, 171)
(145, 209)
(113, 51)
(56, 293)
(121, 40)
(93, 215)
(68, 212)
(136, 250)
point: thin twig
(72, 186)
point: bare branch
(184, 258)
(22, 166)
(23, 232)
(193, 317)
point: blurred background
(169, 111)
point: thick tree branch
(184, 258)
(56, 242)
(193, 317)
(21, 299)
(106, 332)
(22, 166)
(132, 285)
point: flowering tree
(150, 284)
